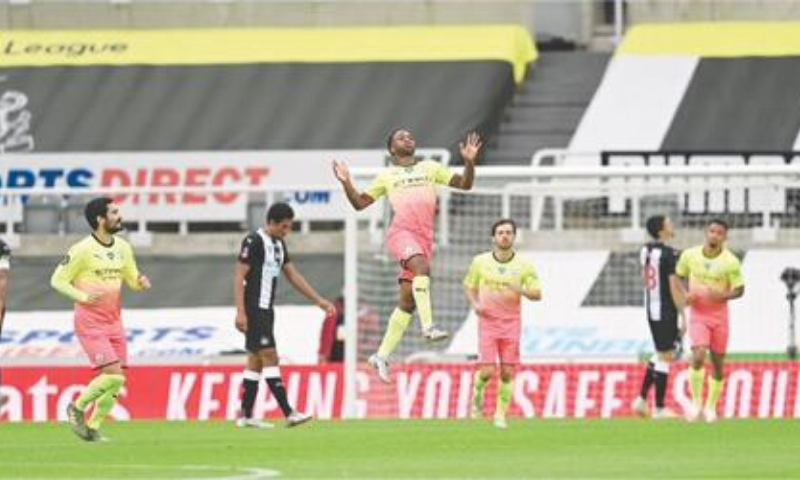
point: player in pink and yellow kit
(410, 186)
(715, 277)
(494, 286)
(91, 275)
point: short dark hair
(96, 207)
(504, 221)
(279, 212)
(718, 221)
(654, 225)
(390, 138)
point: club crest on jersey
(110, 255)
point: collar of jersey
(513, 254)
(107, 245)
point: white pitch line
(247, 473)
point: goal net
(583, 345)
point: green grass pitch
(409, 449)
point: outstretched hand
(341, 171)
(470, 148)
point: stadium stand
(547, 107)
(689, 87)
(210, 91)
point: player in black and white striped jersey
(262, 258)
(661, 300)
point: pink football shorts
(403, 245)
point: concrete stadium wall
(549, 18)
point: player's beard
(403, 152)
(112, 229)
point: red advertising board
(200, 392)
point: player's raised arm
(469, 150)
(358, 200)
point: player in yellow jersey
(495, 284)
(714, 277)
(91, 275)
(411, 189)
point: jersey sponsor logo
(415, 181)
(107, 274)
(273, 267)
